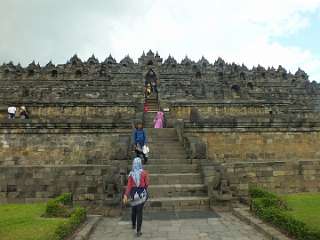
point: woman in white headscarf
(138, 182)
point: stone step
(172, 146)
(153, 111)
(162, 131)
(152, 105)
(175, 178)
(172, 168)
(168, 161)
(162, 139)
(177, 190)
(151, 100)
(150, 115)
(165, 130)
(148, 124)
(177, 203)
(164, 155)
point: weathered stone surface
(283, 177)
(243, 122)
(57, 147)
(87, 183)
(259, 144)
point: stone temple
(227, 128)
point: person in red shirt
(137, 191)
(145, 107)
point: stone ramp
(224, 227)
(176, 215)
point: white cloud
(237, 30)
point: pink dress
(158, 120)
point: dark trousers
(11, 116)
(139, 154)
(136, 216)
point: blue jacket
(139, 136)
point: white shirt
(12, 110)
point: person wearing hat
(23, 113)
(137, 193)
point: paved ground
(227, 227)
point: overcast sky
(270, 33)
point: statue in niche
(224, 187)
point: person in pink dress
(159, 120)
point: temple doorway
(151, 85)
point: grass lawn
(305, 207)
(24, 222)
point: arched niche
(250, 85)
(30, 72)
(150, 77)
(78, 73)
(54, 73)
(242, 76)
(198, 75)
(235, 90)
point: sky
(269, 33)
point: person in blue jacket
(139, 140)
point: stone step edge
(163, 140)
(169, 159)
(163, 186)
(198, 161)
(173, 174)
(173, 199)
(178, 185)
(160, 160)
(270, 232)
(150, 164)
(88, 227)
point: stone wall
(66, 111)
(54, 144)
(280, 177)
(97, 185)
(258, 144)
(187, 81)
(209, 109)
(71, 83)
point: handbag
(145, 149)
(138, 195)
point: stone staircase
(175, 183)
(153, 106)
(152, 102)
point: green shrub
(77, 217)
(65, 199)
(59, 206)
(256, 192)
(56, 209)
(269, 202)
(269, 199)
(272, 209)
